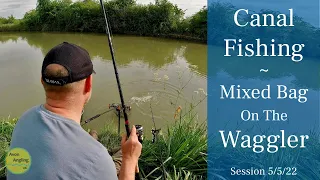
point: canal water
(157, 76)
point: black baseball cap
(74, 58)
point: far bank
(161, 19)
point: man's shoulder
(29, 114)
(31, 111)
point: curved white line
(264, 70)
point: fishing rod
(95, 117)
(138, 127)
(154, 130)
(112, 107)
(115, 69)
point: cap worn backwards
(74, 58)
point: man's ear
(42, 81)
(88, 84)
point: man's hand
(131, 151)
(131, 148)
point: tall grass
(109, 137)
(10, 27)
(180, 151)
(6, 129)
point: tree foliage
(125, 17)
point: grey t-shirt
(59, 149)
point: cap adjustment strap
(56, 81)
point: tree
(125, 3)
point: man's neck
(65, 110)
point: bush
(198, 24)
(9, 20)
(10, 24)
(10, 27)
(125, 17)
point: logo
(18, 161)
(52, 81)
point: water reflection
(154, 52)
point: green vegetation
(10, 24)
(180, 151)
(183, 151)
(126, 17)
(6, 129)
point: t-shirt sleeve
(102, 169)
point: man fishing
(51, 133)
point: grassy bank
(162, 19)
(6, 129)
(179, 153)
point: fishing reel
(139, 132)
(155, 133)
